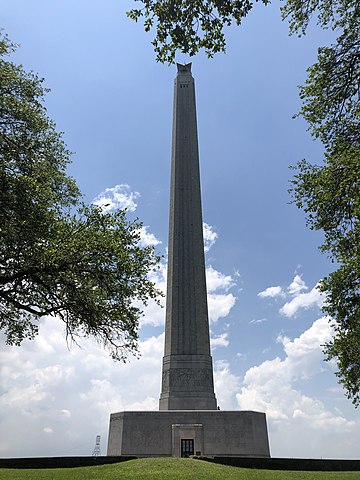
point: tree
(59, 257)
(328, 193)
(190, 25)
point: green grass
(168, 469)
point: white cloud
(303, 300)
(273, 387)
(308, 347)
(220, 305)
(210, 236)
(219, 341)
(304, 359)
(220, 301)
(25, 399)
(154, 314)
(146, 238)
(118, 197)
(226, 384)
(299, 299)
(241, 355)
(257, 321)
(297, 285)
(69, 392)
(216, 280)
(271, 292)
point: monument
(187, 381)
(188, 421)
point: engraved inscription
(187, 378)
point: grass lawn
(168, 469)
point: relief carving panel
(187, 378)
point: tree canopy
(59, 257)
(328, 193)
(189, 25)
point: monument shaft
(187, 381)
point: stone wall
(158, 434)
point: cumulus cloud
(219, 341)
(117, 197)
(273, 387)
(210, 236)
(298, 299)
(226, 384)
(70, 392)
(154, 314)
(216, 280)
(269, 385)
(303, 301)
(147, 238)
(220, 305)
(220, 300)
(297, 285)
(271, 292)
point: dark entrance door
(187, 447)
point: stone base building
(187, 432)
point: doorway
(187, 447)
(187, 439)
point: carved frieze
(187, 378)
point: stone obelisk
(187, 379)
(188, 421)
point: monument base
(177, 433)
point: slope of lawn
(168, 469)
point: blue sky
(114, 103)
